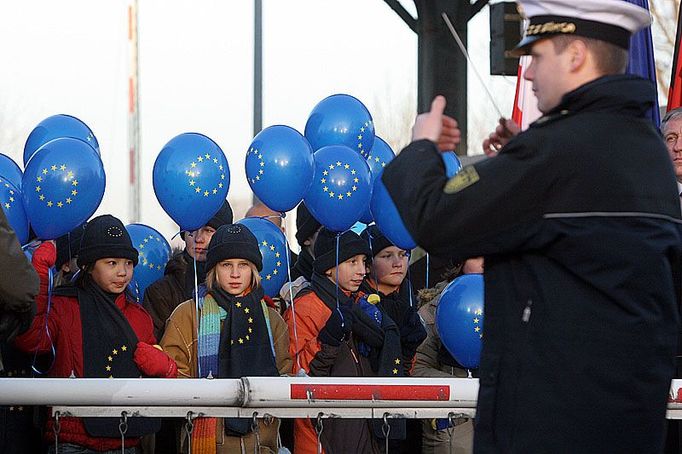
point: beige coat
(180, 342)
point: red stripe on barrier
(370, 392)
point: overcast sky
(196, 69)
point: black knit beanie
(222, 217)
(68, 245)
(306, 224)
(104, 237)
(350, 245)
(376, 240)
(233, 241)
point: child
(386, 276)
(98, 331)
(335, 337)
(238, 336)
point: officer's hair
(670, 116)
(610, 59)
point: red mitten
(154, 362)
(43, 258)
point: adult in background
(260, 210)
(671, 128)
(578, 219)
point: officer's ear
(578, 54)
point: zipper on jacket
(526, 312)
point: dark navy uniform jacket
(579, 222)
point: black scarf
(108, 346)
(189, 274)
(244, 349)
(397, 306)
(384, 341)
(304, 265)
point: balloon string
(291, 296)
(338, 309)
(428, 265)
(373, 268)
(50, 283)
(196, 302)
(409, 280)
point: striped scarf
(212, 316)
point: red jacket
(64, 325)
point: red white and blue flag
(675, 91)
(525, 110)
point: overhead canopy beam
(403, 14)
(442, 69)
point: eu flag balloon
(380, 155)
(459, 319)
(279, 167)
(154, 252)
(452, 163)
(10, 171)
(10, 199)
(273, 248)
(387, 218)
(341, 187)
(63, 185)
(191, 179)
(55, 127)
(341, 120)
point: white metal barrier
(285, 397)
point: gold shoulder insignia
(463, 179)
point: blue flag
(641, 61)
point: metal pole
(257, 72)
(258, 67)
(133, 116)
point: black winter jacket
(579, 222)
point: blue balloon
(279, 167)
(154, 252)
(191, 179)
(10, 199)
(380, 155)
(341, 120)
(341, 187)
(459, 319)
(10, 171)
(63, 185)
(387, 218)
(55, 127)
(273, 248)
(452, 163)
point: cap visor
(524, 46)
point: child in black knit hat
(331, 330)
(236, 334)
(98, 331)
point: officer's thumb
(438, 105)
